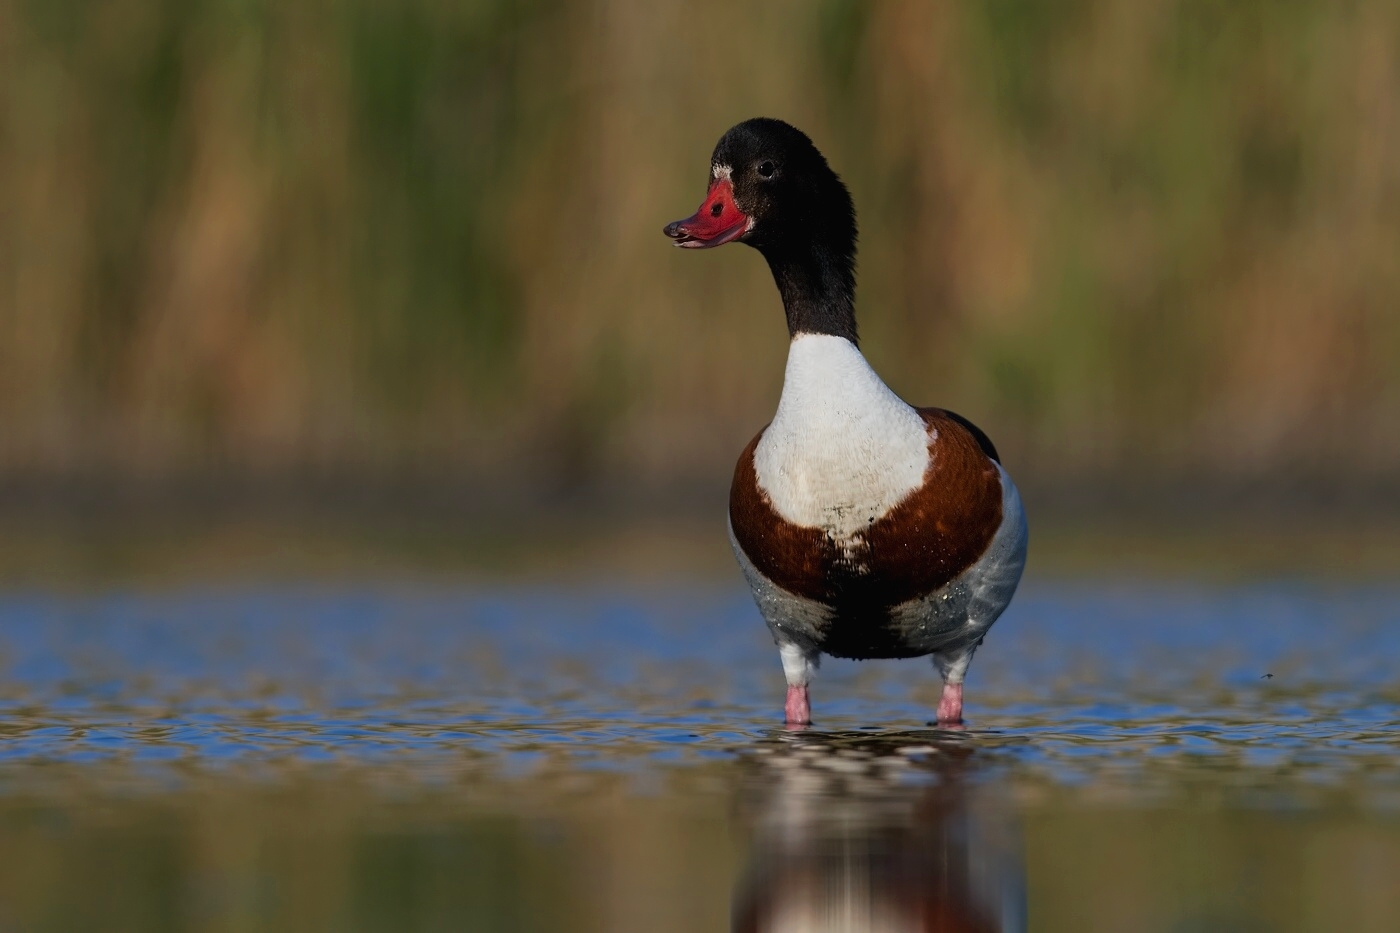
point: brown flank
(922, 544)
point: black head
(770, 188)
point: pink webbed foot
(797, 712)
(950, 705)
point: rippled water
(428, 757)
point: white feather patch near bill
(721, 172)
(843, 449)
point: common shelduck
(866, 528)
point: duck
(864, 526)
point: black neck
(818, 285)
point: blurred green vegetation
(386, 235)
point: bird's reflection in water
(890, 832)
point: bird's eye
(766, 169)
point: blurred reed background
(1148, 245)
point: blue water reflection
(1077, 683)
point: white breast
(842, 449)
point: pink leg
(797, 712)
(949, 705)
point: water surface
(422, 757)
